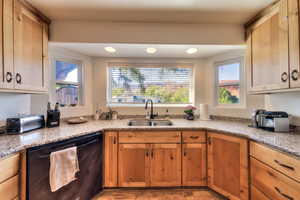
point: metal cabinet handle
(115, 140)
(282, 194)
(295, 75)
(284, 165)
(18, 78)
(184, 152)
(194, 137)
(147, 152)
(9, 77)
(284, 77)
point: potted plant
(189, 112)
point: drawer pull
(282, 194)
(194, 137)
(147, 152)
(285, 166)
(115, 140)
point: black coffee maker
(53, 116)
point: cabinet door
(111, 159)
(270, 45)
(194, 165)
(228, 166)
(28, 49)
(294, 53)
(165, 167)
(7, 66)
(133, 165)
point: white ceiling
(139, 50)
(179, 11)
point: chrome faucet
(152, 116)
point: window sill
(116, 105)
(239, 106)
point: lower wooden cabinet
(10, 188)
(194, 165)
(111, 159)
(274, 184)
(228, 166)
(133, 165)
(165, 168)
(144, 165)
(256, 194)
(10, 181)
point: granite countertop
(287, 142)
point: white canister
(204, 113)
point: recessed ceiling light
(110, 49)
(191, 50)
(151, 50)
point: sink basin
(161, 122)
(153, 122)
(139, 122)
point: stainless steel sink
(153, 122)
(139, 122)
(161, 122)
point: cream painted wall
(251, 102)
(288, 102)
(13, 104)
(156, 33)
(100, 78)
(87, 107)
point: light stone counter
(287, 142)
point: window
(228, 76)
(68, 82)
(164, 84)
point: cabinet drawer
(9, 189)
(277, 160)
(9, 167)
(257, 194)
(194, 136)
(275, 185)
(149, 137)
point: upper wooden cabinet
(29, 51)
(228, 166)
(273, 48)
(268, 44)
(25, 48)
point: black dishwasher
(89, 178)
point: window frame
(79, 84)
(151, 65)
(217, 64)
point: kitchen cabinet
(165, 167)
(257, 195)
(228, 166)
(10, 177)
(274, 173)
(111, 159)
(134, 161)
(194, 165)
(194, 158)
(24, 48)
(269, 45)
(149, 158)
(29, 50)
(274, 184)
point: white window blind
(164, 84)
